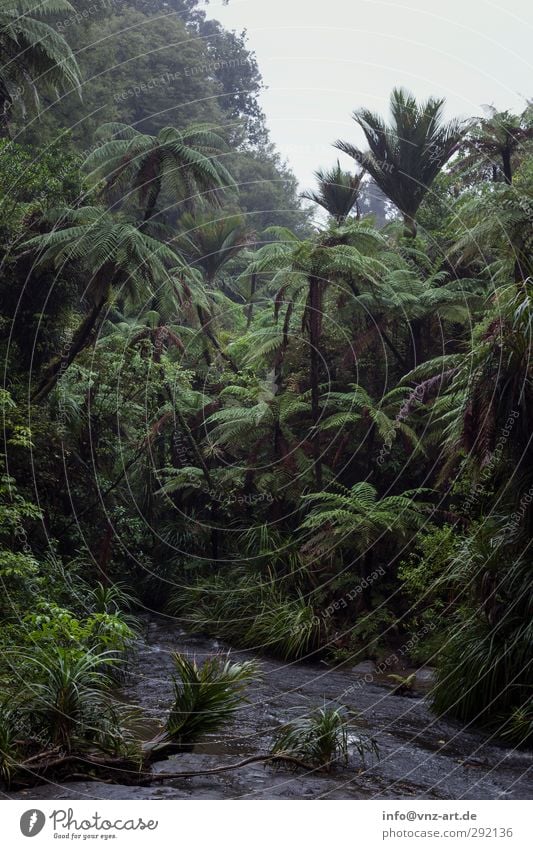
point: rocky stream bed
(421, 756)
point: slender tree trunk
(507, 168)
(194, 446)
(370, 449)
(366, 569)
(214, 341)
(5, 129)
(253, 287)
(79, 342)
(278, 362)
(315, 318)
(416, 339)
(519, 274)
(153, 194)
(409, 232)
(207, 477)
(106, 547)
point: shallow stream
(421, 756)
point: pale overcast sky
(321, 60)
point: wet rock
(425, 675)
(365, 667)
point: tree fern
(131, 162)
(33, 56)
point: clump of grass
(65, 697)
(206, 697)
(113, 599)
(8, 744)
(321, 739)
(479, 678)
(483, 670)
(251, 612)
(519, 726)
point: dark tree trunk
(507, 168)
(315, 321)
(208, 333)
(106, 547)
(253, 287)
(278, 362)
(80, 341)
(193, 446)
(416, 341)
(390, 344)
(153, 194)
(519, 274)
(5, 128)
(366, 569)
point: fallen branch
(99, 769)
(44, 765)
(168, 776)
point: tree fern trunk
(507, 168)
(315, 308)
(416, 341)
(253, 287)
(153, 194)
(214, 341)
(80, 341)
(366, 570)
(106, 547)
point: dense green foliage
(311, 442)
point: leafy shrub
(366, 637)
(64, 697)
(321, 739)
(206, 697)
(54, 625)
(421, 574)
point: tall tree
(305, 269)
(209, 242)
(145, 70)
(338, 192)
(33, 56)
(134, 162)
(406, 155)
(496, 139)
(115, 256)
